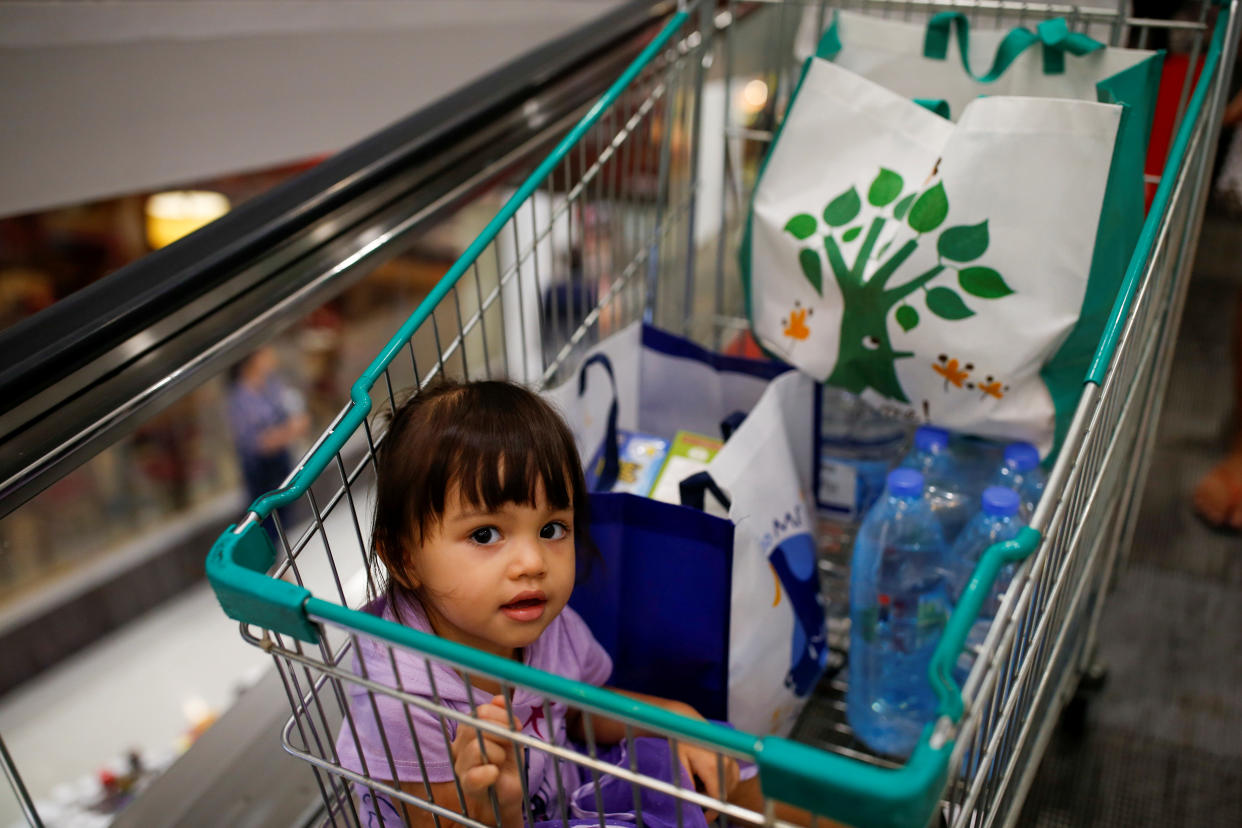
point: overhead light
(754, 96)
(178, 213)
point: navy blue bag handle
(730, 424)
(694, 491)
(612, 452)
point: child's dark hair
(494, 440)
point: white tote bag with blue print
(766, 468)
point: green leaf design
(885, 188)
(903, 207)
(801, 225)
(945, 303)
(983, 282)
(964, 243)
(851, 234)
(929, 210)
(907, 317)
(812, 269)
(842, 209)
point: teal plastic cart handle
(953, 641)
(800, 775)
(237, 567)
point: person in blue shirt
(267, 418)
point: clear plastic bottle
(999, 520)
(946, 487)
(858, 447)
(1020, 471)
(899, 604)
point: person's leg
(1218, 497)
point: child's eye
(554, 530)
(486, 535)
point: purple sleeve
(384, 727)
(577, 655)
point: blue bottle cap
(905, 483)
(1021, 456)
(931, 438)
(1000, 502)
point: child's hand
(704, 766)
(496, 764)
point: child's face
(495, 580)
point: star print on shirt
(536, 715)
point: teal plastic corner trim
(850, 791)
(1159, 205)
(517, 673)
(967, 611)
(237, 567)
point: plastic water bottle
(997, 521)
(946, 489)
(899, 603)
(858, 447)
(1020, 471)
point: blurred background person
(268, 418)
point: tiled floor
(1162, 743)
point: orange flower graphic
(952, 373)
(796, 327)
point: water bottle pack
(914, 554)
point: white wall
(101, 99)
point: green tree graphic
(865, 356)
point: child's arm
(703, 765)
(496, 764)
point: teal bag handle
(1054, 35)
(938, 106)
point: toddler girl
(480, 520)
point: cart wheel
(1090, 683)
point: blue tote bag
(682, 599)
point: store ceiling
(102, 99)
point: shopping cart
(636, 215)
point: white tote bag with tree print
(929, 266)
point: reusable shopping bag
(956, 273)
(711, 611)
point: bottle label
(838, 486)
(932, 618)
(868, 620)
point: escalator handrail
(54, 343)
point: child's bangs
(507, 443)
(496, 471)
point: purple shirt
(567, 648)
